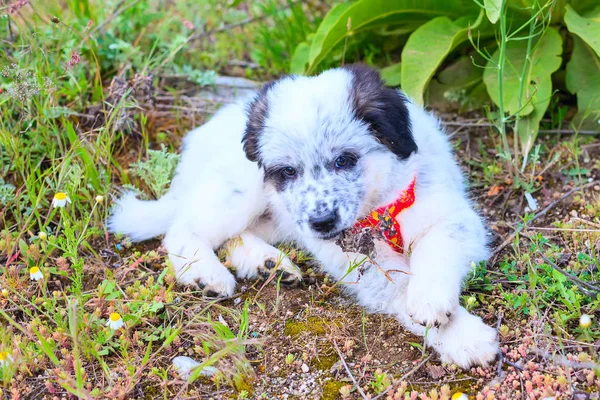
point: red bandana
(384, 220)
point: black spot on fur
(383, 109)
(258, 111)
(278, 178)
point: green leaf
(583, 79)
(587, 29)
(346, 19)
(391, 74)
(299, 60)
(459, 86)
(545, 58)
(492, 9)
(427, 47)
(90, 167)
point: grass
(95, 96)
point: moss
(331, 390)
(314, 325)
(325, 359)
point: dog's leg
(465, 340)
(439, 261)
(196, 264)
(253, 257)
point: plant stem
(501, 65)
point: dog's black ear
(384, 109)
(258, 111)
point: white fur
(218, 196)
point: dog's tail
(139, 219)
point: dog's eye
(289, 171)
(343, 162)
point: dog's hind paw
(211, 285)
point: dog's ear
(258, 111)
(383, 109)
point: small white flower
(460, 396)
(99, 199)
(5, 358)
(35, 274)
(43, 235)
(60, 199)
(115, 321)
(585, 321)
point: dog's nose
(324, 223)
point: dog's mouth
(330, 235)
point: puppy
(303, 161)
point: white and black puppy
(304, 160)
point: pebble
(304, 368)
(184, 366)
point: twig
(403, 378)
(500, 355)
(565, 362)
(569, 132)
(586, 287)
(364, 396)
(518, 229)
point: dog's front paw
(212, 285)
(430, 302)
(466, 341)
(284, 270)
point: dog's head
(329, 145)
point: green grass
(65, 128)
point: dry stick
(487, 124)
(540, 214)
(403, 378)
(364, 396)
(500, 355)
(587, 288)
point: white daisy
(115, 321)
(585, 321)
(5, 358)
(60, 199)
(35, 274)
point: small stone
(185, 365)
(304, 368)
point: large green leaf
(587, 29)
(391, 74)
(427, 47)
(299, 60)
(459, 86)
(346, 19)
(583, 79)
(545, 58)
(492, 9)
